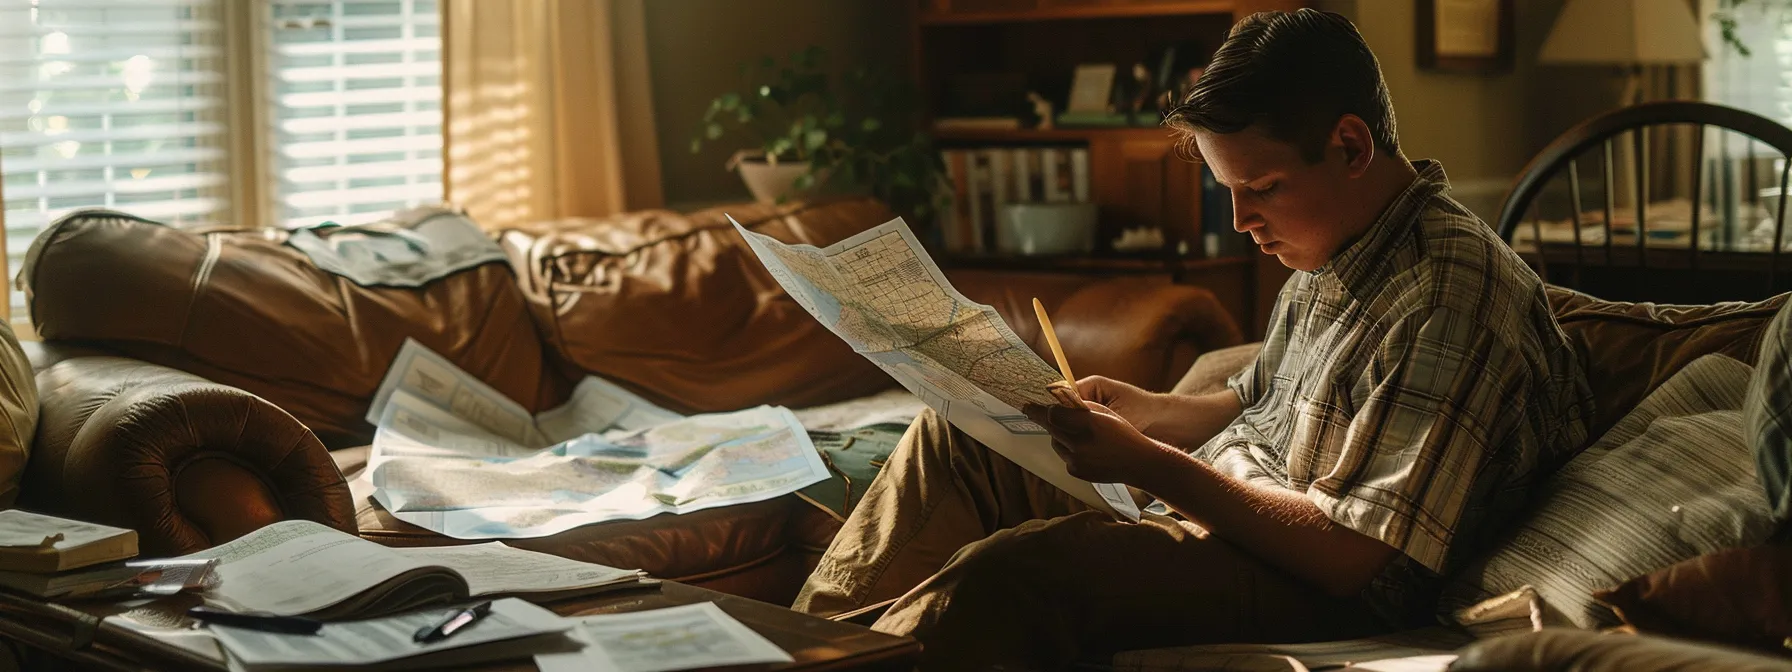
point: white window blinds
(109, 103)
(356, 104)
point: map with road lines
(882, 294)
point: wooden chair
(1718, 250)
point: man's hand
(1099, 446)
(1140, 408)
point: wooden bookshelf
(1136, 177)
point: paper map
(880, 292)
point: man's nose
(1243, 217)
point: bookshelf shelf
(1060, 11)
(1025, 135)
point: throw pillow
(1741, 596)
(1672, 480)
(18, 414)
(1769, 408)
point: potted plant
(804, 129)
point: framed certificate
(1465, 35)
(1091, 88)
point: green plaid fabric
(1415, 387)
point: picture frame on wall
(1467, 36)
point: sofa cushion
(1671, 481)
(1629, 349)
(697, 546)
(1585, 651)
(243, 309)
(1769, 411)
(18, 414)
(1740, 596)
(678, 308)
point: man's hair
(1296, 73)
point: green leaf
(714, 131)
(804, 181)
(870, 124)
(779, 147)
(729, 101)
(696, 145)
(815, 139)
(765, 91)
(745, 114)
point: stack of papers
(454, 456)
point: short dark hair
(1296, 73)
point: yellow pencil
(1051, 338)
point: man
(1411, 390)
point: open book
(882, 294)
(302, 568)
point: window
(128, 104)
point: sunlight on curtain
(532, 120)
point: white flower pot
(771, 183)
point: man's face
(1291, 208)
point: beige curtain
(536, 105)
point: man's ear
(1352, 135)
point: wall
(1483, 128)
(695, 48)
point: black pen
(291, 625)
(454, 623)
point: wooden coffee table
(76, 636)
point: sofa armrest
(1142, 330)
(186, 462)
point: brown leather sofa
(198, 386)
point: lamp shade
(1624, 32)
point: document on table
(674, 638)
(514, 628)
(880, 292)
(453, 456)
(298, 567)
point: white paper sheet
(882, 294)
(297, 567)
(384, 639)
(674, 638)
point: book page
(297, 567)
(494, 568)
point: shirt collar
(1354, 263)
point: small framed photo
(1092, 87)
(1472, 36)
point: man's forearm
(1279, 526)
(1187, 421)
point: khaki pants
(997, 568)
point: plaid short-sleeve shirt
(1415, 388)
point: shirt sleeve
(1443, 394)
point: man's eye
(1265, 191)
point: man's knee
(1034, 552)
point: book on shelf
(977, 192)
(38, 543)
(1079, 175)
(302, 568)
(1021, 161)
(957, 222)
(998, 197)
